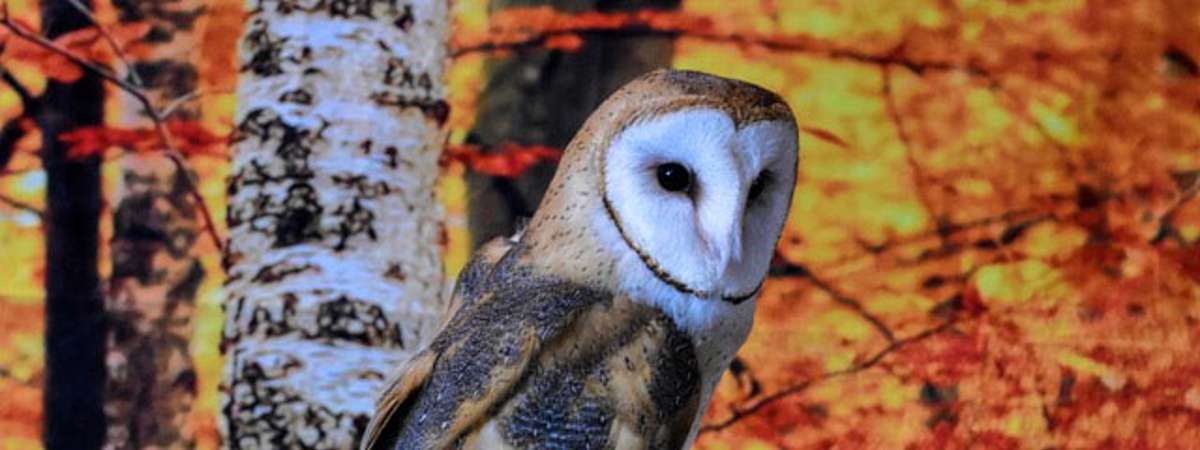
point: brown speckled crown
(664, 91)
(559, 238)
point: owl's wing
(471, 279)
(414, 373)
(381, 432)
(446, 391)
(385, 430)
(474, 363)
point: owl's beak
(730, 251)
(724, 237)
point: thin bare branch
(1188, 192)
(919, 178)
(112, 42)
(1186, 195)
(27, 99)
(23, 206)
(756, 406)
(14, 130)
(873, 250)
(850, 302)
(180, 101)
(160, 127)
(20, 31)
(11, 133)
(4, 173)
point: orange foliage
(86, 43)
(995, 242)
(554, 29)
(547, 27)
(1001, 250)
(20, 384)
(189, 137)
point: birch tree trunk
(542, 96)
(73, 393)
(334, 272)
(155, 273)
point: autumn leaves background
(995, 242)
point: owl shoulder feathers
(527, 361)
(470, 283)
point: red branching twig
(919, 179)
(138, 93)
(1189, 189)
(543, 26)
(1019, 215)
(756, 406)
(850, 302)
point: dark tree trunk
(538, 96)
(75, 322)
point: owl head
(685, 174)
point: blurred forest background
(994, 243)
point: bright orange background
(1006, 189)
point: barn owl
(608, 322)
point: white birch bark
(151, 384)
(333, 265)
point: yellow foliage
(1003, 165)
(1017, 282)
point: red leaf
(565, 42)
(190, 138)
(510, 161)
(51, 64)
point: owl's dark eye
(759, 184)
(674, 177)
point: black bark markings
(403, 87)
(286, 206)
(266, 51)
(339, 318)
(262, 412)
(343, 9)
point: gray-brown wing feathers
(549, 363)
(395, 402)
(472, 364)
(471, 280)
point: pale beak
(730, 251)
(723, 233)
